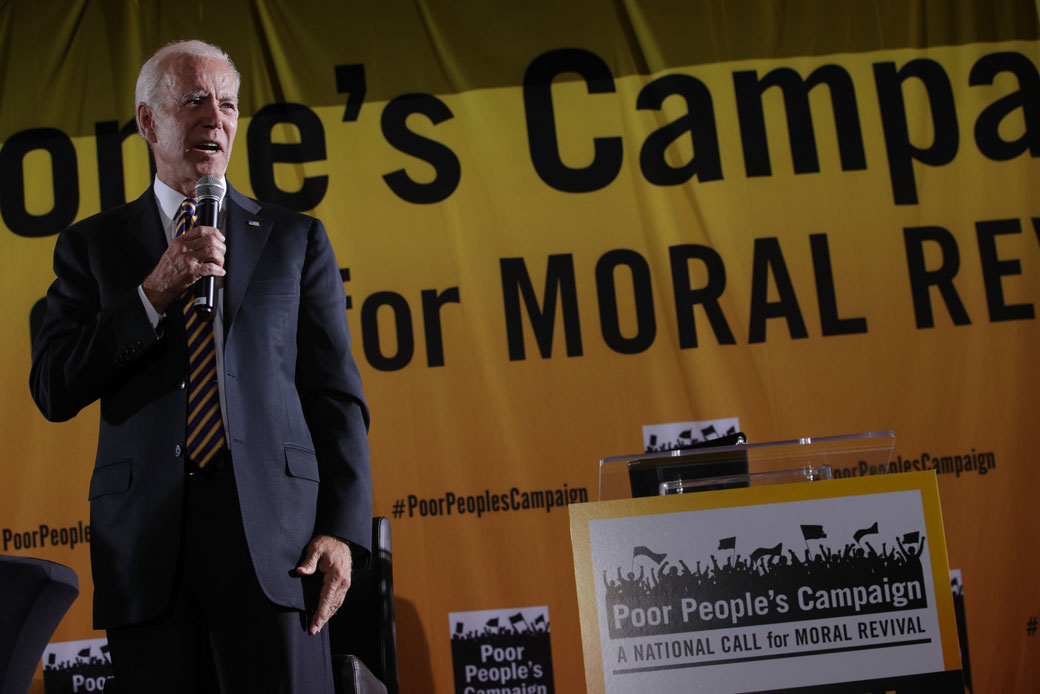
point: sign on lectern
(761, 585)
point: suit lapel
(246, 236)
(146, 234)
(142, 242)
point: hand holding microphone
(209, 191)
(197, 251)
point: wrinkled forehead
(190, 74)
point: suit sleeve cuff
(359, 556)
(154, 317)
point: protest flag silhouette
(767, 552)
(813, 532)
(860, 534)
(517, 619)
(729, 543)
(643, 551)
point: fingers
(197, 253)
(331, 557)
(333, 591)
(200, 232)
(201, 251)
(310, 560)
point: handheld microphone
(208, 192)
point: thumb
(308, 565)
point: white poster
(766, 597)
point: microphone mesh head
(209, 187)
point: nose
(211, 113)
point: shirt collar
(170, 200)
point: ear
(146, 122)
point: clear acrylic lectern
(742, 465)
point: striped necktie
(205, 427)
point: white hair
(150, 80)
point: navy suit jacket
(297, 419)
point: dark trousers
(221, 633)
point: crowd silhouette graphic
(514, 625)
(686, 438)
(89, 664)
(657, 593)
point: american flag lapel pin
(254, 223)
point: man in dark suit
(204, 545)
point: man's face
(192, 129)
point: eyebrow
(205, 93)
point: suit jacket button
(183, 385)
(177, 451)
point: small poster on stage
(825, 586)
(70, 667)
(502, 650)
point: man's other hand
(331, 556)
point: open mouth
(208, 147)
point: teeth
(208, 147)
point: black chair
(363, 632)
(34, 595)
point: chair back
(364, 626)
(34, 595)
